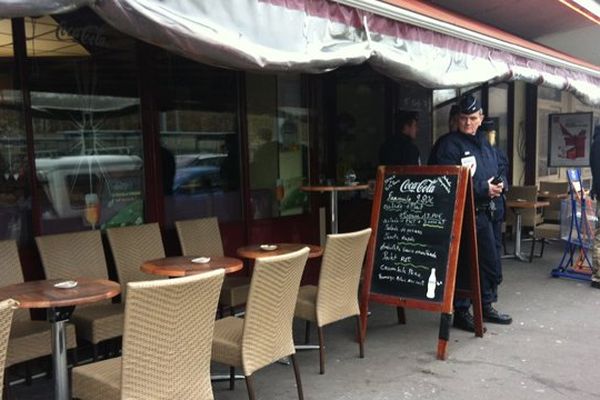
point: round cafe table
(183, 266)
(60, 304)
(254, 251)
(333, 190)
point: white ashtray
(65, 284)
(201, 260)
(268, 247)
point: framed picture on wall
(570, 139)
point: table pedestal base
(58, 316)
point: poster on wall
(570, 138)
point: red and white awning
(316, 36)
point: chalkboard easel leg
(401, 315)
(444, 336)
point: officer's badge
(471, 162)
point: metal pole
(59, 361)
(334, 212)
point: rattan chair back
(267, 334)
(11, 272)
(69, 255)
(6, 314)
(337, 294)
(200, 237)
(131, 246)
(168, 337)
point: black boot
(464, 320)
(596, 284)
(490, 314)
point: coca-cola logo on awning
(87, 35)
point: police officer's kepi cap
(469, 105)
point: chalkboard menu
(413, 236)
(423, 221)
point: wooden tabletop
(183, 265)
(43, 294)
(331, 188)
(254, 251)
(527, 204)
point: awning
(316, 36)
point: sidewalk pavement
(549, 352)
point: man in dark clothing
(399, 149)
(452, 126)
(595, 164)
(469, 147)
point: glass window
(498, 109)
(443, 95)
(278, 141)
(86, 123)
(15, 204)
(200, 140)
(360, 124)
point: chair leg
(250, 387)
(297, 375)
(307, 333)
(95, 350)
(74, 357)
(532, 249)
(321, 351)
(231, 378)
(400, 314)
(542, 249)
(27, 367)
(361, 339)
(7, 393)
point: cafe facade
(115, 114)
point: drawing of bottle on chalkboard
(431, 284)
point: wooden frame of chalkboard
(423, 222)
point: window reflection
(278, 141)
(86, 123)
(15, 203)
(199, 140)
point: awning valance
(316, 36)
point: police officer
(469, 147)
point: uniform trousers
(490, 268)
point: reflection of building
(115, 96)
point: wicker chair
(265, 334)
(336, 297)
(551, 213)
(131, 246)
(28, 339)
(70, 255)
(166, 344)
(6, 316)
(202, 237)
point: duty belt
(488, 208)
